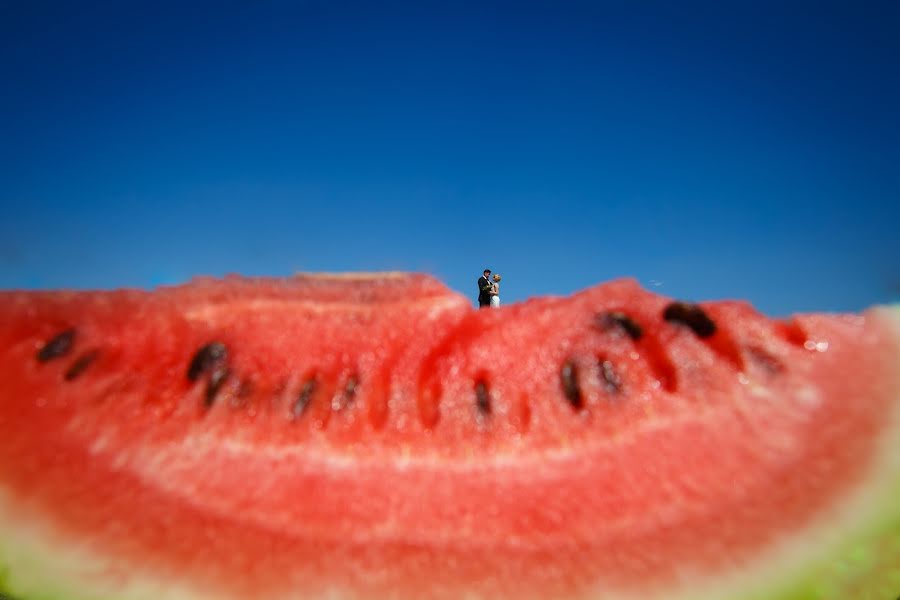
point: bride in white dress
(495, 291)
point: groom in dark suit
(484, 290)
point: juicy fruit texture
(329, 437)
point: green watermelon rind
(857, 554)
(864, 565)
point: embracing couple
(489, 290)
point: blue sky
(711, 151)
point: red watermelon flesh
(327, 436)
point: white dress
(495, 299)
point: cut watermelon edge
(851, 550)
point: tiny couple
(489, 290)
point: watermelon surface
(329, 437)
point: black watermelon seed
(306, 393)
(482, 398)
(216, 379)
(611, 379)
(621, 321)
(81, 364)
(691, 316)
(58, 345)
(206, 358)
(568, 377)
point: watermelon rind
(851, 551)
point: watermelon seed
(81, 364)
(611, 379)
(206, 358)
(616, 320)
(482, 398)
(568, 376)
(692, 316)
(306, 393)
(58, 345)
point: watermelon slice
(328, 437)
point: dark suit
(484, 292)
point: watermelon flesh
(326, 436)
